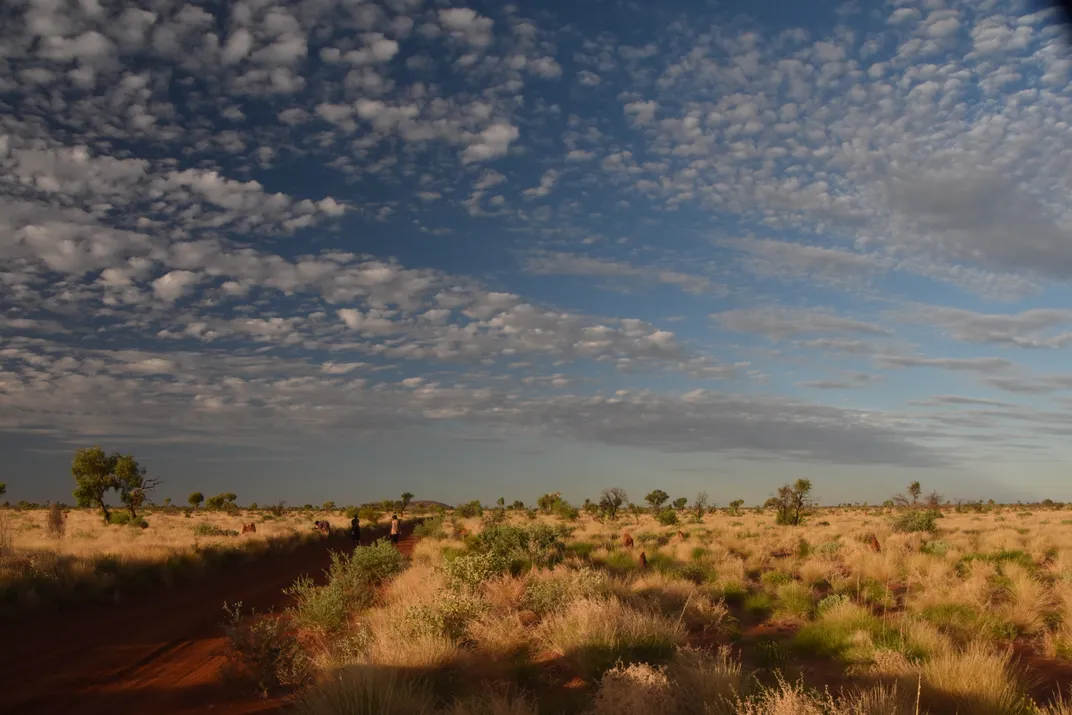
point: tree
(518, 504)
(224, 502)
(94, 475)
(132, 483)
(793, 502)
(699, 504)
(3, 489)
(610, 502)
(406, 498)
(914, 490)
(328, 506)
(548, 502)
(635, 511)
(656, 498)
(195, 499)
(735, 506)
(680, 502)
(500, 502)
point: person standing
(394, 528)
(355, 530)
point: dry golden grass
(935, 610)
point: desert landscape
(913, 607)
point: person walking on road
(355, 530)
(394, 528)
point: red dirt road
(159, 652)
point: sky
(335, 249)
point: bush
(450, 615)
(319, 608)
(540, 544)
(263, 651)
(212, 530)
(471, 570)
(917, 520)
(595, 634)
(666, 517)
(365, 568)
(430, 529)
(469, 510)
(121, 518)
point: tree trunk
(133, 514)
(104, 510)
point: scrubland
(732, 614)
(84, 558)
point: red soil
(159, 652)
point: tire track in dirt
(159, 651)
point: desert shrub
(545, 595)
(469, 510)
(540, 544)
(210, 530)
(775, 578)
(595, 634)
(937, 547)
(759, 604)
(666, 516)
(840, 631)
(263, 651)
(829, 549)
(366, 567)
(449, 615)
(119, 518)
(795, 600)
(916, 520)
(322, 608)
(471, 570)
(430, 529)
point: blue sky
(334, 250)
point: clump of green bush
(915, 520)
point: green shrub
(935, 548)
(366, 567)
(758, 604)
(469, 510)
(666, 517)
(321, 608)
(430, 529)
(449, 615)
(119, 518)
(829, 549)
(212, 530)
(471, 570)
(619, 562)
(915, 520)
(775, 578)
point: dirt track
(157, 653)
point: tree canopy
(656, 498)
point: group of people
(355, 529)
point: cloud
(779, 323)
(1026, 329)
(467, 25)
(568, 264)
(490, 143)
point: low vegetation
(738, 611)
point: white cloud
(490, 143)
(467, 25)
(175, 284)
